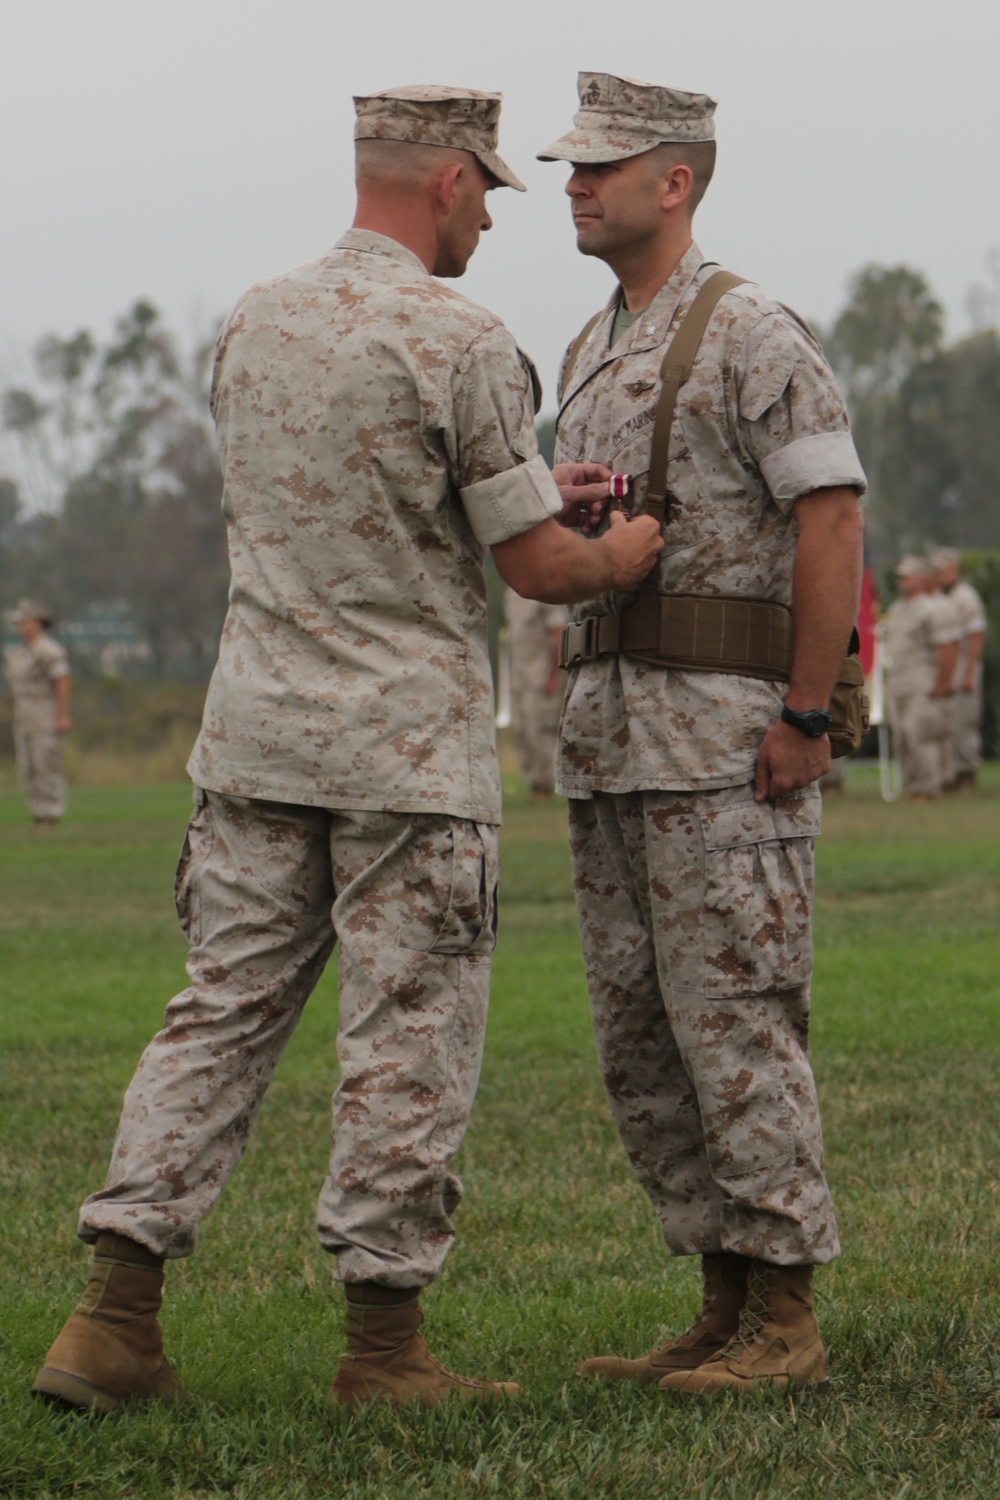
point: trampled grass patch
(558, 1256)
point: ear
(446, 184)
(677, 181)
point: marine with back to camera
(377, 435)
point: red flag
(867, 619)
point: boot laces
(468, 1381)
(756, 1311)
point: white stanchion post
(503, 673)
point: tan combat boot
(724, 1279)
(777, 1342)
(387, 1358)
(110, 1349)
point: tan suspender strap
(751, 637)
(674, 371)
(577, 345)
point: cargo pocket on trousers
(454, 903)
(197, 846)
(758, 895)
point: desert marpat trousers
(694, 910)
(264, 890)
(921, 728)
(39, 765)
(967, 715)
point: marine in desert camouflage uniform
(693, 805)
(377, 435)
(38, 673)
(535, 688)
(921, 651)
(965, 750)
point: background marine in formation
(38, 673)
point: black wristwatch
(813, 724)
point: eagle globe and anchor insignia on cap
(622, 117)
(591, 95)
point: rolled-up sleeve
(503, 481)
(945, 626)
(816, 462)
(507, 504)
(53, 659)
(793, 418)
(973, 614)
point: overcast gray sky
(180, 151)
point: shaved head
(430, 198)
(698, 155)
(403, 166)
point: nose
(487, 221)
(577, 187)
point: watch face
(813, 724)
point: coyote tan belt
(749, 637)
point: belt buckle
(590, 637)
(569, 651)
(580, 641)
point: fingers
(651, 526)
(581, 514)
(589, 519)
(582, 474)
(786, 762)
(584, 502)
(649, 530)
(584, 496)
(594, 474)
(633, 545)
(761, 777)
(646, 527)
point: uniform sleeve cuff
(506, 504)
(821, 461)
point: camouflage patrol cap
(620, 117)
(30, 609)
(943, 557)
(913, 567)
(429, 115)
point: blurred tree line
(925, 412)
(109, 497)
(926, 417)
(110, 488)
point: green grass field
(558, 1256)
